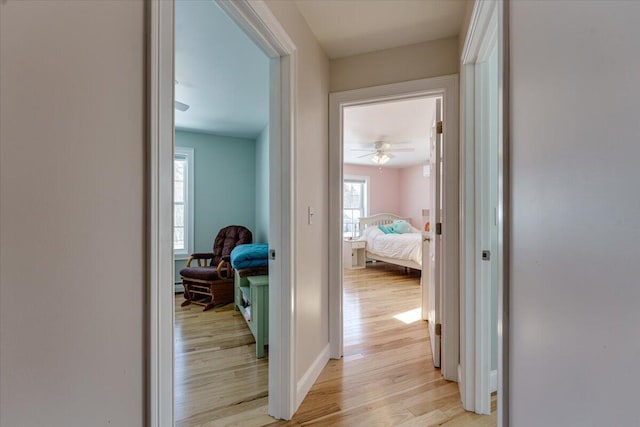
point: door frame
(255, 18)
(447, 87)
(488, 22)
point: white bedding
(406, 246)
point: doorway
(483, 326)
(446, 88)
(257, 22)
(386, 192)
(221, 169)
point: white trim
(187, 152)
(160, 219)
(446, 86)
(467, 243)
(486, 28)
(312, 374)
(258, 22)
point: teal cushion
(400, 226)
(386, 229)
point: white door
(434, 261)
(487, 231)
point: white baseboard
(493, 381)
(309, 378)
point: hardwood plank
(386, 377)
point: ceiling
(221, 74)
(407, 121)
(352, 27)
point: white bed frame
(384, 219)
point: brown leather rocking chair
(213, 283)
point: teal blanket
(253, 255)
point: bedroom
(221, 182)
(387, 198)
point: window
(354, 205)
(183, 202)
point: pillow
(370, 232)
(400, 226)
(386, 229)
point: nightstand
(353, 253)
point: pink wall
(383, 187)
(404, 192)
(414, 194)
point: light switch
(310, 214)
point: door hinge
(438, 228)
(272, 254)
(438, 328)
(439, 127)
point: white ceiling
(222, 75)
(406, 121)
(352, 27)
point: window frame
(365, 205)
(186, 153)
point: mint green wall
(224, 186)
(262, 187)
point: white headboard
(380, 219)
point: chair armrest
(198, 256)
(224, 269)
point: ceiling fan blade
(400, 150)
(362, 149)
(365, 155)
(180, 106)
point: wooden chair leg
(187, 295)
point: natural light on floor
(409, 316)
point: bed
(400, 249)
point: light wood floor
(218, 380)
(386, 377)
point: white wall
(311, 281)
(413, 62)
(72, 213)
(575, 287)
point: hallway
(386, 377)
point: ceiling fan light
(380, 158)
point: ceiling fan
(380, 151)
(180, 106)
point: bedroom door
(435, 243)
(487, 230)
